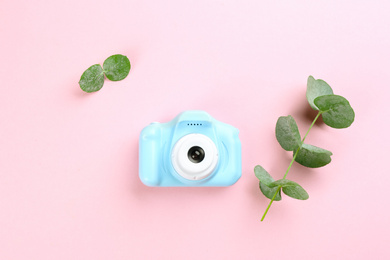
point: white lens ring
(188, 169)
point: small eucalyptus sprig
(115, 68)
(336, 112)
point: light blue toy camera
(193, 149)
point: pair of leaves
(115, 67)
(288, 136)
(269, 186)
(336, 110)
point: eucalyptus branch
(336, 112)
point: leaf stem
(291, 163)
(314, 121)
(270, 203)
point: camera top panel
(194, 116)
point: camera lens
(196, 154)
(189, 159)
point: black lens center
(196, 154)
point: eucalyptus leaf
(92, 79)
(312, 156)
(264, 180)
(296, 192)
(116, 67)
(263, 175)
(336, 111)
(316, 88)
(287, 133)
(270, 192)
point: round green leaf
(263, 175)
(265, 179)
(270, 192)
(287, 133)
(316, 88)
(116, 67)
(92, 79)
(337, 112)
(296, 192)
(312, 156)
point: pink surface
(69, 186)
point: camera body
(193, 149)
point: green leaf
(263, 175)
(264, 180)
(296, 192)
(336, 111)
(270, 192)
(312, 156)
(290, 188)
(92, 79)
(316, 88)
(116, 67)
(287, 133)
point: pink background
(69, 186)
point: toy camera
(193, 149)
